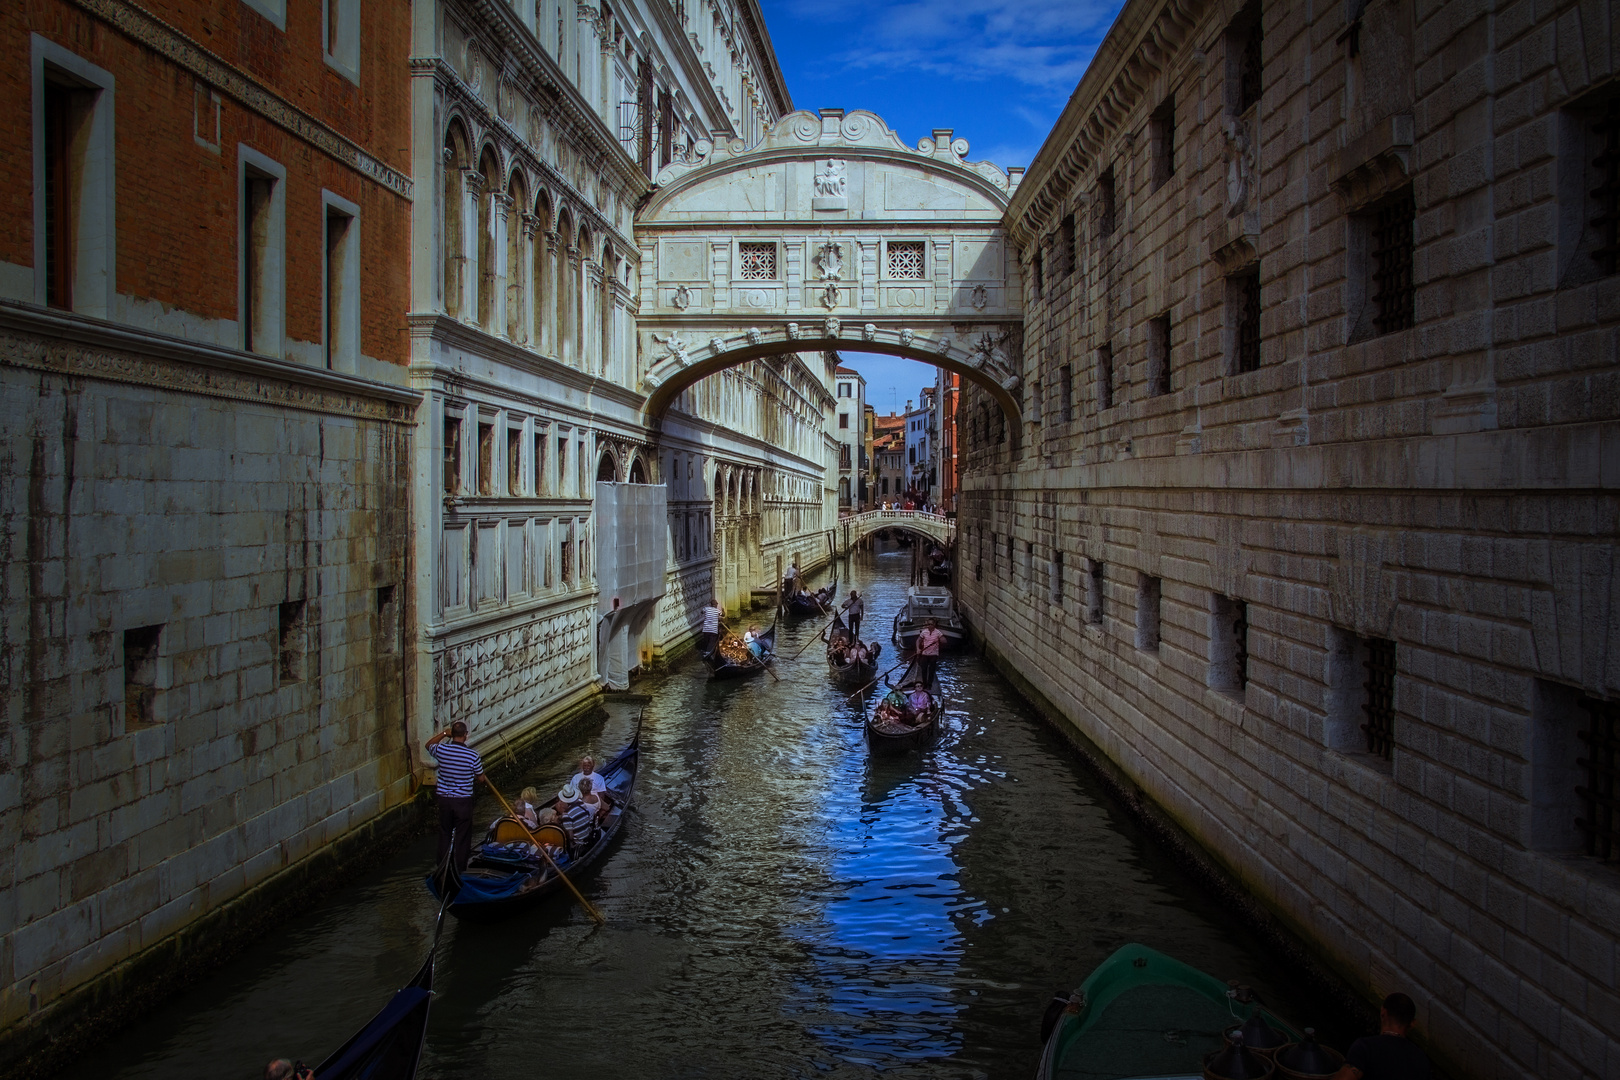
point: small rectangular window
(486, 459)
(1361, 693)
(1106, 213)
(1243, 321)
(1147, 612)
(757, 261)
(1029, 566)
(907, 259)
(1038, 273)
(562, 487)
(1599, 791)
(1228, 644)
(1159, 354)
(1094, 592)
(1380, 704)
(1162, 135)
(1589, 188)
(290, 637)
(843, 420)
(539, 463)
(514, 461)
(452, 455)
(565, 555)
(1056, 583)
(1391, 224)
(1066, 392)
(60, 245)
(1066, 245)
(1105, 377)
(1009, 557)
(141, 676)
(341, 25)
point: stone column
(589, 54)
(472, 189)
(589, 321)
(500, 209)
(524, 297)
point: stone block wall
(203, 636)
(1194, 572)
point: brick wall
(1449, 487)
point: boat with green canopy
(1142, 1014)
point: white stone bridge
(829, 233)
(857, 527)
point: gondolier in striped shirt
(854, 607)
(711, 626)
(459, 766)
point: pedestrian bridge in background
(857, 527)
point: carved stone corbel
(1374, 165)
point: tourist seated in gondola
(593, 799)
(919, 701)
(858, 653)
(755, 643)
(527, 807)
(579, 822)
(567, 797)
(587, 771)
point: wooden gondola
(885, 736)
(851, 673)
(924, 602)
(812, 603)
(722, 667)
(506, 875)
(390, 1046)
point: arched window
(610, 268)
(517, 297)
(638, 472)
(544, 274)
(490, 170)
(584, 304)
(455, 251)
(606, 468)
(567, 318)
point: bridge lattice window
(758, 262)
(906, 259)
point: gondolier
(929, 641)
(711, 626)
(854, 607)
(459, 766)
(790, 580)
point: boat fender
(1308, 1060)
(1236, 1062)
(1257, 1035)
(1061, 1003)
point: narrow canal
(779, 905)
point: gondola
(812, 603)
(851, 673)
(885, 736)
(924, 602)
(722, 667)
(506, 875)
(939, 573)
(390, 1046)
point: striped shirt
(711, 620)
(458, 765)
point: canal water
(780, 904)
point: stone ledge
(1374, 164)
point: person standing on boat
(711, 626)
(855, 607)
(790, 581)
(929, 641)
(459, 766)
(1391, 1054)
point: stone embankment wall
(1260, 506)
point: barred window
(1599, 793)
(1243, 301)
(906, 259)
(1243, 66)
(1391, 243)
(1105, 202)
(758, 262)
(1605, 210)
(1379, 706)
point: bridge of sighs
(830, 233)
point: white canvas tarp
(631, 535)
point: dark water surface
(780, 904)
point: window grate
(906, 259)
(1105, 202)
(1600, 794)
(1240, 637)
(758, 262)
(1380, 706)
(1607, 194)
(1248, 328)
(1249, 66)
(1392, 256)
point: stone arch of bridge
(935, 527)
(829, 233)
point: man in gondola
(711, 626)
(458, 766)
(790, 581)
(854, 607)
(929, 641)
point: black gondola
(507, 875)
(812, 603)
(851, 672)
(891, 736)
(390, 1046)
(720, 667)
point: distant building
(868, 465)
(948, 392)
(921, 473)
(888, 457)
(849, 410)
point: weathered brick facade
(1197, 573)
(205, 613)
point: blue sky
(997, 72)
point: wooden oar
(535, 840)
(868, 686)
(813, 640)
